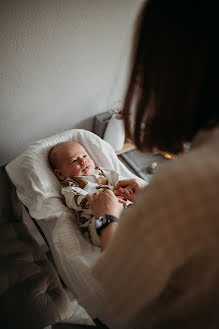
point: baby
(79, 176)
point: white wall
(61, 62)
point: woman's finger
(126, 191)
(129, 187)
(122, 183)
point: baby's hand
(124, 192)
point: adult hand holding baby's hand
(105, 203)
(124, 192)
(128, 188)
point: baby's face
(74, 161)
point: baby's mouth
(85, 169)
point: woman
(160, 268)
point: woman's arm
(107, 234)
(105, 203)
(166, 228)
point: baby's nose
(82, 160)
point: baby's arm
(75, 198)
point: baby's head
(69, 159)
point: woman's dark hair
(173, 87)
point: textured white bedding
(39, 190)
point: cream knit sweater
(161, 269)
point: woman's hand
(128, 188)
(105, 203)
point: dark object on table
(149, 170)
(143, 164)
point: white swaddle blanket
(39, 190)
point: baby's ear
(59, 174)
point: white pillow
(37, 186)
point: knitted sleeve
(172, 220)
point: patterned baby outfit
(76, 188)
